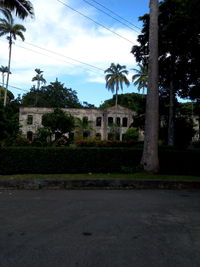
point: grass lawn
(136, 176)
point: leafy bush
(66, 160)
(103, 143)
(96, 160)
(132, 134)
(42, 136)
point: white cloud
(61, 30)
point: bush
(131, 135)
(18, 160)
(181, 162)
(67, 160)
(101, 143)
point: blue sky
(69, 35)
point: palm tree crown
(83, 126)
(141, 77)
(3, 70)
(115, 78)
(22, 8)
(7, 27)
(39, 78)
(12, 31)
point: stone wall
(30, 119)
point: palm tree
(83, 126)
(150, 160)
(115, 78)
(3, 70)
(7, 27)
(39, 78)
(22, 8)
(140, 78)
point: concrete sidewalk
(111, 183)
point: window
(110, 120)
(98, 136)
(110, 136)
(125, 122)
(30, 136)
(118, 121)
(86, 134)
(98, 121)
(29, 119)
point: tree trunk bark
(2, 79)
(150, 159)
(8, 74)
(171, 124)
(116, 95)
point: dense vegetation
(95, 160)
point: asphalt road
(99, 228)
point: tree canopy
(179, 45)
(58, 121)
(54, 95)
(116, 76)
(22, 8)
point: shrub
(67, 160)
(132, 134)
(103, 143)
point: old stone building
(30, 119)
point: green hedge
(184, 162)
(67, 160)
(20, 160)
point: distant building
(30, 119)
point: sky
(59, 40)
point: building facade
(30, 120)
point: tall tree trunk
(116, 95)
(150, 159)
(171, 123)
(38, 84)
(2, 79)
(8, 74)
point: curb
(97, 184)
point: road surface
(99, 228)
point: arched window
(118, 121)
(86, 134)
(30, 136)
(110, 120)
(125, 122)
(98, 121)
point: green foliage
(179, 46)
(54, 95)
(67, 160)
(10, 95)
(83, 127)
(9, 124)
(43, 136)
(132, 134)
(21, 140)
(184, 131)
(39, 78)
(140, 78)
(22, 8)
(95, 160)
(114, 132)
(133, 101)
(58, 121)
(115, 78)
(106, 143)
